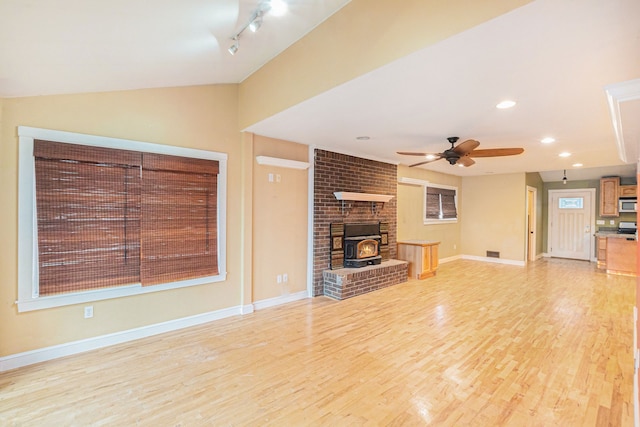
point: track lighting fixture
(564, 179)
(274, 7)
(235, 46)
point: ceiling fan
(462, 153)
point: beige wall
(279, 220)
(362, 36)
(410, 211)
(203, 117)
(494, 213)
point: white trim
(283, 163)
(495, 260)
(616, 94)
(19, 360)
(449, 259)
(246, 309)
(534, 190)
(27, 226)
(412, 181)
(282, 299)
(310, 210)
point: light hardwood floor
(479, 344)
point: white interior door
(571, 222)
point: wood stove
(362, 245)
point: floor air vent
(493, 254)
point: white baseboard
(449, 259)
(19, 360)
(283, 299)
(494, 260)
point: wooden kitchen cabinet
(609, 196)
(627, 191)
(621, 256)
(422, 256)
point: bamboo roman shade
(109, 217)
(179, 218)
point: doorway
(571, 223)
(532, 193)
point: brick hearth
(349, 282)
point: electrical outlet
(455, 246)
(279, 278)
(278, 178)
(88, 312)
(612, 222)
(285, 277)
(600, 222)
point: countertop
(613, 234)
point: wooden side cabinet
(609, 196)
(422, 256)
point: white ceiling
(554, 57)
(74, 46)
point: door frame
(592, 256)
(531, 224)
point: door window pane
(570, 202)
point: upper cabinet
(609, 188)
(627, 191)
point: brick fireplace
(334, 172)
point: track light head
(255, 24)
(235, 46)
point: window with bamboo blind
(111, 221)
(440, 204)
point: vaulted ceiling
(553, 57)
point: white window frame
(28, 298)
(424, 205)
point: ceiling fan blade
(407, 153)
(438, 157)
(496, 152)
(466, 147)
(465, 161)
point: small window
(440, 204)
(570, 202)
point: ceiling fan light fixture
(505, 104)
(430, 156)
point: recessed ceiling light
(577, 165)
(363, 138)
(564, 154)
(547, 140)
(506, 104)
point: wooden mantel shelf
(362, 197)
